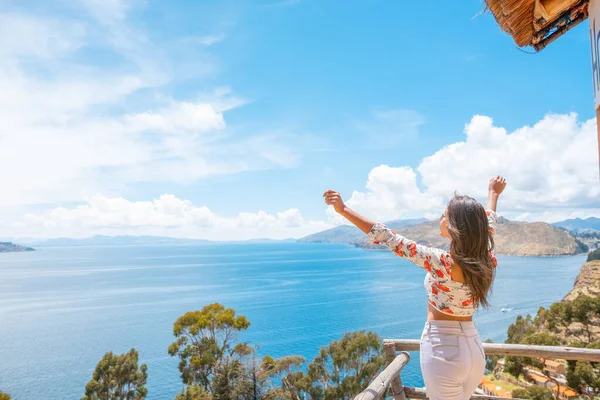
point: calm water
(61, 309)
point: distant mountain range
(102, 240)
(512, 238)
(518, 238)
(350, 234)
(579, 225)
(8, 247)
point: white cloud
(553, 163)
(167, 215)
(72, 123)
(178, 118)
(558, 144)
(551, 168)
(24, 35)
(391, 193)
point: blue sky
(259, 106)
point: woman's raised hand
(497, 185)
(333, 198)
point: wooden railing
(389, 379)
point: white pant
(452, 359)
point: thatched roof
(537, 23)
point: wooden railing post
(396, 389)
(376, 390)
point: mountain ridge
(345, 234)
(512, 238)
(578, 224)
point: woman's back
(450, 297)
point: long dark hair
(471, 245)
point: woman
(457, 282)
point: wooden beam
(396, 389)
(518, 350)
(419, 393)
(377, 388)
(551, 9)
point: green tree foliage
(577, 319)
(193, 392)
(513, 366)
(215, 366)
(283, 379)
(118, 377)
(569, 323)
(211, 357)
(539, 339)
(583, 376)
(527, 331)
(236, 377)
(517, 332)
(521, 328)
(594, 255)
(4, 396)
(580, 313)
(205, 345)
(534, 393)
(346, 367)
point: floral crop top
(446, 295)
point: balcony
(389, 381)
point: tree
(574, 320)
(293, 384)
(594, 255)
(542, 339)
(344, 368)
(527, 331)
(513, 366)
(236, 378)
(215, 366)
(520, 329)
(575, 317)
(193, 392)
(539, 339)
(211, 358)
(517, 332)
(4, 396)
(204, 344)
(534, 393)
(118, 377)
(582, 376)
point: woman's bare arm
(495, 188)
(434, 261)
(334, 199)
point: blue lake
(61, 309)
